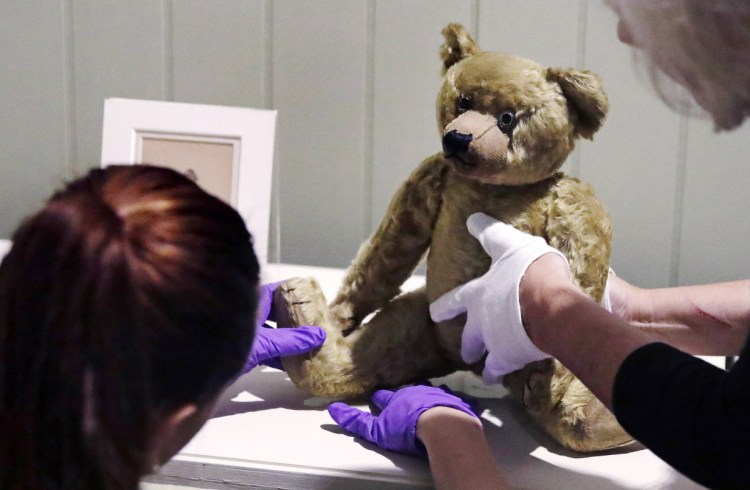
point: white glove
(493, 311)
(4, 248)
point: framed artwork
(227, 150)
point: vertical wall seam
(369, 122)
(475, 8)
(679, 200)
(583, 12)
(580, 60)
(168, 47)
(69, 95)
(268, 103)
(267, 79)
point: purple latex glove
(270, 344)
(395, 428)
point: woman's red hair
(131, 293)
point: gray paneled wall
(354, 82)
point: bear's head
(508, 120)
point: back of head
(131, 293)
(702, 45)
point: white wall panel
(633, 159)
(355, 82)
(118, 51)
(33, 127)
(546, 32)
(218, 51)
(319, 88)
(406, 82)
(715, 230)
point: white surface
(268, 433)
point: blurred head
(703, 45)
(126, 305)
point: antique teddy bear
(507, 126)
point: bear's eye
(506, 121)
(465, 102)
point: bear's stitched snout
(455, 142)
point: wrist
(641, 306)
(459, 454)
(545, 290)
(436, 424)
(631, 303)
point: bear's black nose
(455, 142)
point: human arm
(559, 319)
(458, 451)
(711, 319)
(693, 415)
(425, 419)
(270, 344)
(562, 321)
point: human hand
(622, 298)
(491, 302)
(395, 428)
(271, 344)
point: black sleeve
(693, 415)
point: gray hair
(703, 45)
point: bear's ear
(457, 46)
(586, 97)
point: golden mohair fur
(508, 124)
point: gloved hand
(395, 428)
(491, 303)
(270, 343)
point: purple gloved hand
(270, 344)
(395, 428)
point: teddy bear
(507, 126)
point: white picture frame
(227, 150)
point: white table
(268, 434)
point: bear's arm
(579, 226)
(392, 253)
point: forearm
(458, 451)
(687, 411)
(565, 323)
(706, 320)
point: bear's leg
(565, 408)
(397, 346)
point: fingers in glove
(447, 306)
(472, 343)
(382, 398)
(280, 342)
(452, 303)
(496, 237)
(353, 420)
(494, 370)
(265, 301)
(500, 239)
